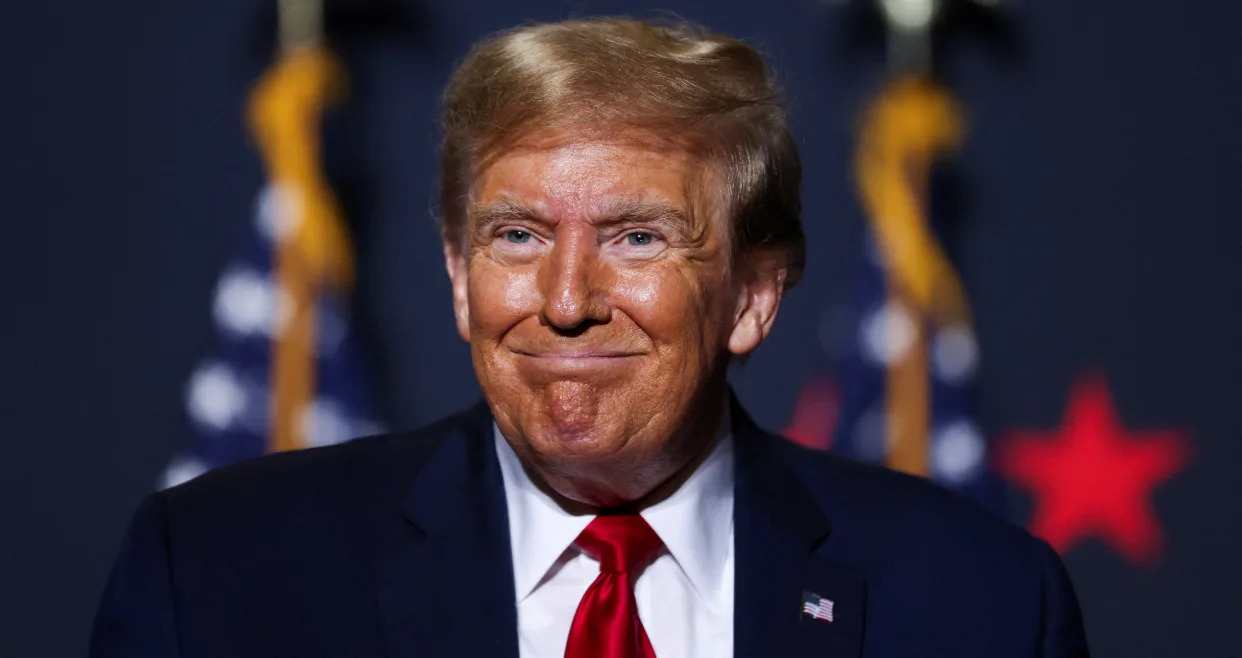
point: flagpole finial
(301, 23)
(910, 26)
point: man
(620, 222)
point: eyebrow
(636, 211)
(483, 216)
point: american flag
(228, 396)
(816, 606)
(284, 373)
(904, 351)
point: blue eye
(639, 239)
(517, 237)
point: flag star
(244, 302)
(324, 423)
(181, 470)
(888, 333)
(957, 452)
(215, 397)
(954, 354)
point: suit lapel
(444, 578)
(779, 538)
(444, 581)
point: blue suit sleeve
(136, 618)
(1062, 629)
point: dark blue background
(1101, 207)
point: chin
(578, 445)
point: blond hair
(677, 81)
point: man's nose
(569, 277)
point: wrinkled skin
(597, 294)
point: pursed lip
(576, 355)
(574, 363)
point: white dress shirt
(685, 597)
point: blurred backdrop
(1090, 215)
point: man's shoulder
(878, 510)
(341, 479)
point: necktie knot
(606, 624)
(623, 543)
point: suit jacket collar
(445, 577)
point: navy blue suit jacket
(398, 546)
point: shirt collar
(695, 522)
(539, 529)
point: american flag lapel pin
(816, 607)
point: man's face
(598, 299)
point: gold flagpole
(311, 245)
(912, 122)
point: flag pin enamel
(816, 607)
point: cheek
(499, 297)
(672, 306)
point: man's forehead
(587, 178)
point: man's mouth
(560, 364)
(578, 354)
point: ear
(455, 264)
(761, 284)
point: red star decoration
(1093, 478)
(815, 414)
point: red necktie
(606, 624)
